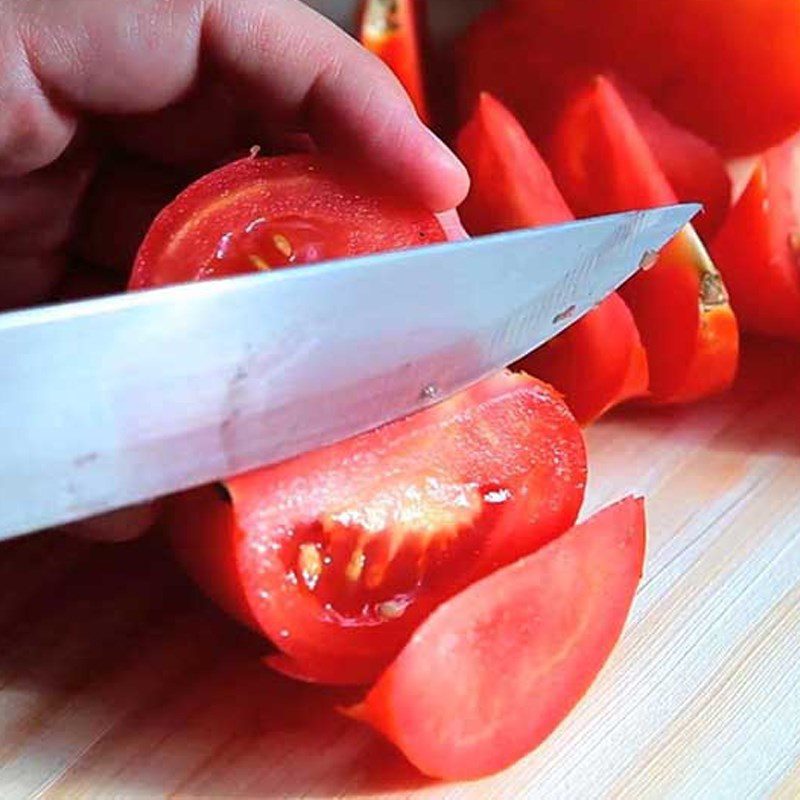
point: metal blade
(105, 403)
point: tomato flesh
(603, 164)
(758, 249)
(339, 554)
(599, 361)
(265, 213)
(491, 673)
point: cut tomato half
(339, 554)
(491, 673)
(758, 249)
(394, 30)
(599, 361)
(269, 213)
(603, 164)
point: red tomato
(266, 213)
(603, 164)
(394, 30)
(599, 361)
(339, 554)
(491, 673)
(758, 249)
(729, 70)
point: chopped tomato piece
(394, 30)
(729, 70)
(758, 249)
(268, 213)
(490, 674)
(599, 361)
(603, 164)
(339, 554)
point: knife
(108, 402)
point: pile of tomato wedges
(436, 561)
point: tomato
(394, 31)
(599, 361)
(339, 554)
(268, 213)
(758, 249)
(729, 70)
(491, 673)
(603, 164)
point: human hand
(108, 108)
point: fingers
(290, 66)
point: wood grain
(118, 680)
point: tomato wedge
(489, 675)
(599, 361)
(544, 77)
(268, 213)
(758, 249)
(602, 163)
(394, 30)
(339, 554)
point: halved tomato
(267, 213)
(758, 249)
(339, 554)
(599, 361)
(491, 673)
(394, 30)
(602, 164)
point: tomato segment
(599, 361)
(758, 249)
(603, 164)
(262, 213)
(394, 30)
(491, 673)
(337, 555)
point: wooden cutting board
(118, 680)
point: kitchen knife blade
(108, 402)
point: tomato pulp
(269, 213)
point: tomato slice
(758, 249)
(394, 30)
(268, 213)
(490, 674)
(603, 164)
(599, 361)
(339, 554)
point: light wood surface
(117, 680)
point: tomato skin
(514, 460)
(603, 164)
(394, 30)
(757, 249)
(548, 622)
(729, 70)
(205, 232)
(599, 361)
